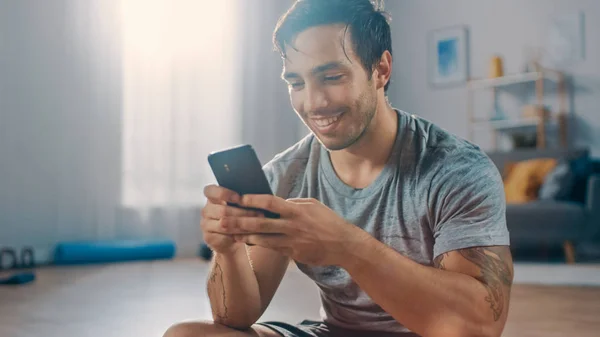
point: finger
(269, 203)
(273, 241)
(219, 195)
(232, 225)
(214, 211)
(212, 226)
(219, 226)
(302, 200)
(245, 225)
(214, 240)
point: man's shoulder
(441, 149)
(434, 138)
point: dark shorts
(308, 328)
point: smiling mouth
(325, 122)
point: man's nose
(316, 99)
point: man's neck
(362, 162)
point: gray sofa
(553, 222)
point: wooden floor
(144, 299)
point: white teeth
(326, 121)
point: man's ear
(383, 70)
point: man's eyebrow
(318, 69)
(327, 66)
(288, 76)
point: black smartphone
(239, 169)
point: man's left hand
(307, 231)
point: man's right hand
(216, 209)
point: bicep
(269, 268)
(492, 266)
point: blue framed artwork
(448, 56)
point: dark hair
(366, 20)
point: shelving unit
(540, 123)
(508, 124)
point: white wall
(269, 122)
(496, 27)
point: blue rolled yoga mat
(113, 251)
(18, 279)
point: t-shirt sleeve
(468, 207)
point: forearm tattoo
(216, 287)
(494, 273)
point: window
(179, 96)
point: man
(401, 224)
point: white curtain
(180, 59)
(180, 62)
(198, 76)
(108, 109)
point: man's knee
(206, 328)
(190, 329)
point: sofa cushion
(524, 179)
(559, 183)
(502, 158)
(546, 220)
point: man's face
(330, 90)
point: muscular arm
(269, 268)
(491, 266)
(466, 294)
(241, 285)
(233, 290)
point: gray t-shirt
(437, 193)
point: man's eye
(333, 78)
(296, 85)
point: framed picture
(565, 40)
(448, 56)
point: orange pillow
(523, 179)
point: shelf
(509, 125)
(513, 79)
(511, 84)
